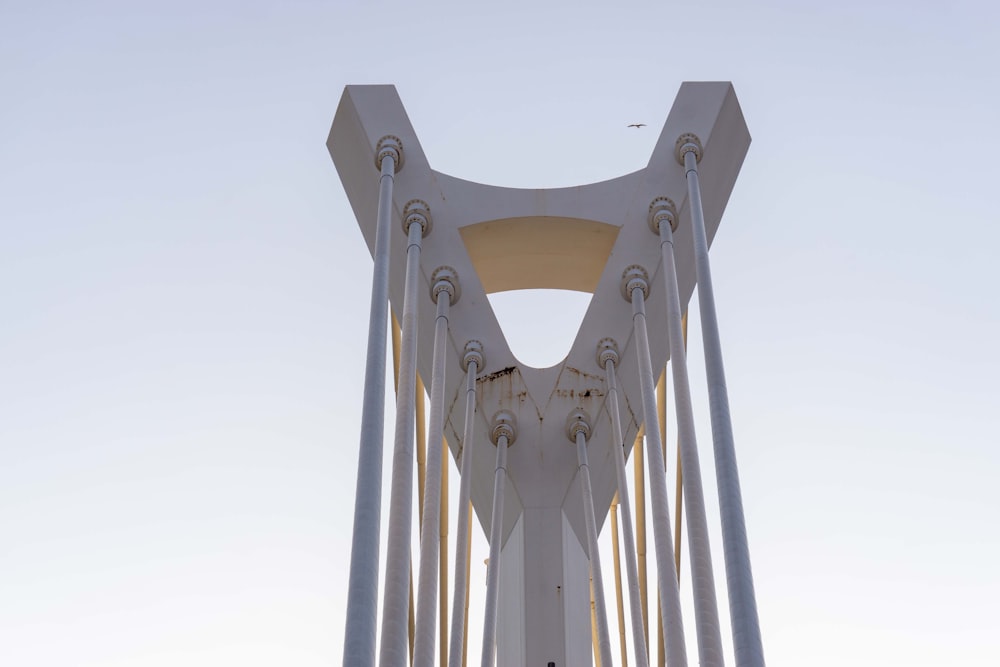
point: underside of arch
(541, 252)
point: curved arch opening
(540, 325)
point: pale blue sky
(185, 293)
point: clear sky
(184, 294)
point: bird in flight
(637, 125)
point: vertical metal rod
(706, 609)
(421, 413)
(395, 603)
(362, 587)
(443, 550)
(395, 353)
(594, 632)
(679, 480)
(678, 512)
(468, 563)
(430, 537)
(463, 537)
(661, 407)
(670, 602)
(631, 569)
(593, 551)
(493, 570)
(749, 648)
(421, 474)
(662, 659)
(640, 532)
(396, 335)
(411, 617)
(460, 600)
(661, 411)
(619, 597)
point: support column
(395, 606)
(640, 529)
(663, 221)
(578, 430)
(443, 560)
(362, 588)
(472, 361)
(739, 577)
(635, 288)
(444, 292)
(503, 435)
(619, 598)
(607, 358)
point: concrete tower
(542, 451)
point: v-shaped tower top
(578, 238)
(581, 238)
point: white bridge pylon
(554, 425)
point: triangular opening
(540, 325)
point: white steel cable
(443, 291)
(706, 609)
(394, 650)
(458, 629)
(639, 475)
(749, 649)
(362, 588)
(579, 429)
(631, 568)
(503, 433)
(619, 598)
(670, 602)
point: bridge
(543, 453)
